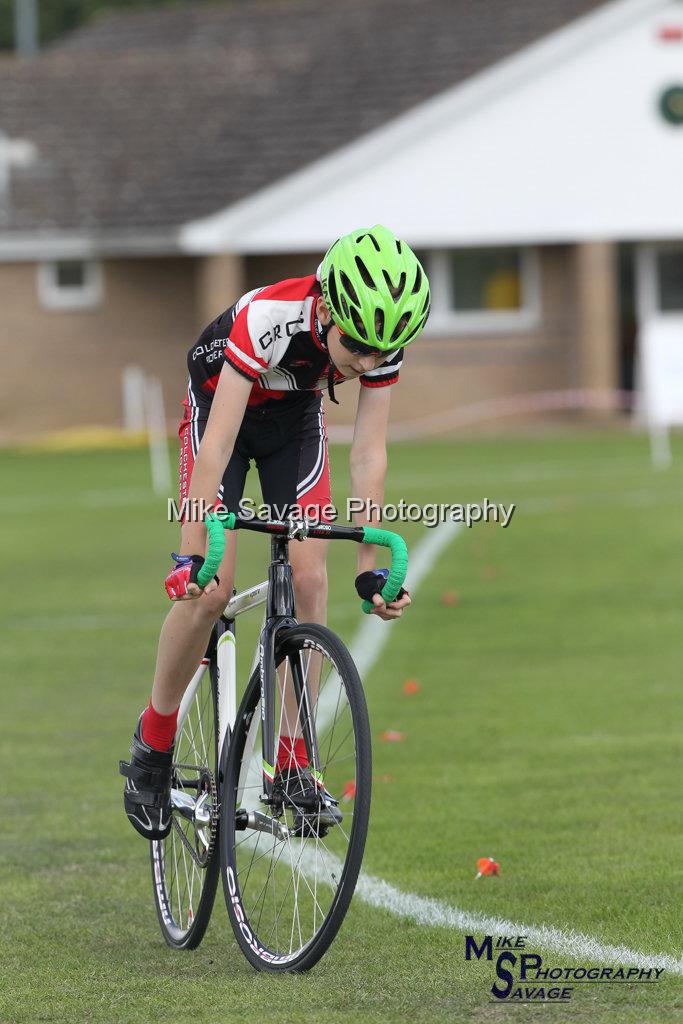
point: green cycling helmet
(375, 288)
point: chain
(213, 824)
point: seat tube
(267, 673)
(226, 681)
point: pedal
(260, 822)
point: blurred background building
(157, 162)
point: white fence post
(144, 413)
(133, 394)
(156, 433)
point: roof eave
(19, 246)
(228, 230)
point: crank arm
(196, 811)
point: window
(70, 284)
(670, 277)
(483, 290)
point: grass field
(545, 733)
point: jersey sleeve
(242, 349)
(384, 374)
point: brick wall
(63, 368)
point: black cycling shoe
(147, 793)
(315, 810)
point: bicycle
(288, 872)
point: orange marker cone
(349, 791)
(487, 866)
(410, 687)
(392, 736)
(449, 598)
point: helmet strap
(322, 330)
(330, 383)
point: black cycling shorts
(287, 443)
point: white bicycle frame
(226, 657)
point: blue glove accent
(181, 559)
(371, 582)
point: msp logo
(524, 977)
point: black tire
(249, 856)
(185, 889)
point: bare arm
(225, 418)
(368, 459)
(368, 464)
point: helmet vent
(372, 239)
(418, 327)
(358, 324)
(398, 246)
(348, 288)
(332, 289)
(365, 274)
(397, 291)
(418, 281)
(379, 324)
(400, 327)
(345, 306)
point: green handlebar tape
(399, 562)
(228, 519)
(216, 527)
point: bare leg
(185, 636)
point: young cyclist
(255, 392)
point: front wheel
(288, 887)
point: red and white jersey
(272, 336)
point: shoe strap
(156, 777)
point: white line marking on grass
(374, 633)
(366, 649)
(424, 910)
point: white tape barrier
(530, 403)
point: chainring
(206, 784)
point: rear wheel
(288, 887)
(185, 864)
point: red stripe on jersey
(240, 337)
(187, 453)
(186, 462)
(382, 383)
(259, 395)
(240, 366)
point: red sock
(291, 753)
(158, 731)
